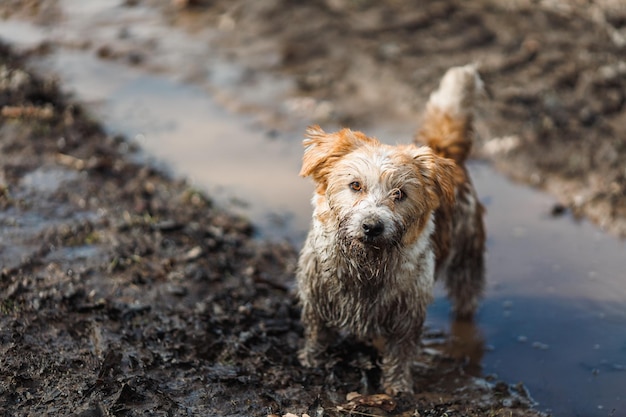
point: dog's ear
(439, 174)
(323, 150)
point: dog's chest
(367, 296)
(360, 309)
(350, 298)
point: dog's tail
(448, 125)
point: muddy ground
(126, 292)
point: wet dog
(388, 221)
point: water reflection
(467, 342)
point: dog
(388, 221)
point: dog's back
(460, 239)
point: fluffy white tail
(448, 122)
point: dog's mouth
(372, 242)
(363, 246)
(371, 246)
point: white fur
(457, 90)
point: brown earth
(126, 292)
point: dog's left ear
(439, 174)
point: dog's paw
(396, 388)
(397, 378)
(308, 359)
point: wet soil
(126, 292)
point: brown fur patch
(323, 150)
(448, 136)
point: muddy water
(555, 309)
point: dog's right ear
(323, 150)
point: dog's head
(376, 196)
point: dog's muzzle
(372, 228)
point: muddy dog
(388, 221)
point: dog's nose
(373, 228)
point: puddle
(17, 226)
(238, 160)
(554, 312)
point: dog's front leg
(317, 338)
(397, 358)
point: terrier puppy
(387, 221)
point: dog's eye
(398, 194)
(356, 186)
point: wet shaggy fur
(387, 221)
